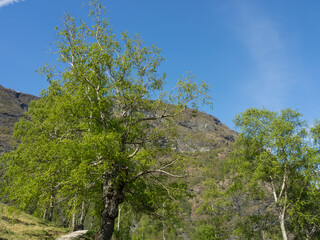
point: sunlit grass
(17, 225)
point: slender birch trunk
(74, 226)
(163, 224)
(44, 216)
(84, 211)
(282, 217)
(281, 209)
(119, 219)
(282, 226)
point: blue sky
(252, 53)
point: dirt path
(73, 235)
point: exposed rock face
(12, 106)
(202, 132)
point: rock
(73, 235)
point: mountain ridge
(202, 133)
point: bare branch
(167, 165)
(162, 185)
(274, 191)
(170, 174)
(284, 181)
(159, 171)
(134, 153)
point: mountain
(13, 105)
(201, 133)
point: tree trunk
(282, 218)
(65, 222)
(282, 211)
(44, 216)
(163, 224)
(92, 222)
(51, 206)
(282, 226)
(112, 198)
(74, 225)
(119, 216)
(84, 211)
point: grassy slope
(21, 226)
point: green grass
(88, 236)
(17, 225)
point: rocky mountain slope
(201, 133)
(12, 106)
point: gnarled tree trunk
(112, 197)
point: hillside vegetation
(17, 225)
(224, 198)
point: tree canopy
(275, 156)
(103, 131)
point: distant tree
(274, 157)
(103, 130)
(215, 211)
(205, 232)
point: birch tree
(103, 131)
(274, 157)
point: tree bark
(92, 222)
(112, 197)
(84, 211)
(51, 206)
(163, 225)
(282, 216)
(74, 225)
(283, 228)
(44, 216)
(119, 215)
(281, 212)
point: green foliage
(103, 126)
(262, 226)
(215, 210)
(274, 160)
(205, 232)
(88, 236)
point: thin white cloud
(4, 3)
(270, 80)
